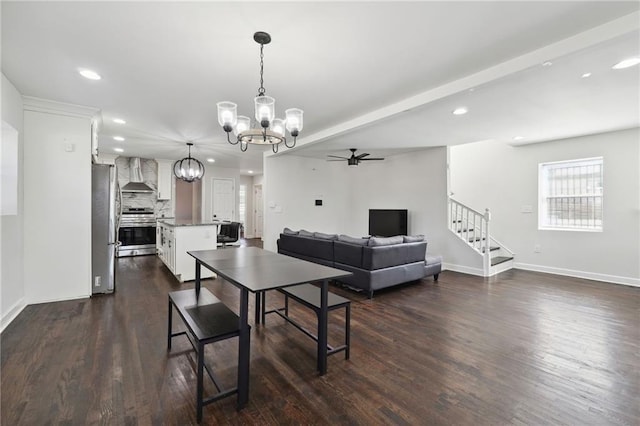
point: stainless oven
(137, 232)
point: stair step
(492, 248)
(500, 259)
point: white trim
(64, 299)
(12, 313)
(463, 269)
(31, 103)
(501, 267)
(615, 279)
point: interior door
(258, 213)
(224, 199)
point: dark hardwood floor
(519, 348)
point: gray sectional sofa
(376, 263)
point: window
(570, 195)
(242, 207)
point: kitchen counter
(176, 237)
(183, 222)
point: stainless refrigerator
(105, 200)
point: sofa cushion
(412, 238)
(305, 246)
(347, 253)
(388, 241)
(289, 232)
(325, 236)
(305, 233)
(353, 240)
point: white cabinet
(174, 242)
(164, 179)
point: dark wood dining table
(255, 270)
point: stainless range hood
(136, 183)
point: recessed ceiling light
(586, 75)
(119, 121)
(211, 160)
(118, 138)
(91, 75)
(118, 149)
(250, 172)
(518, 138)
(547, 64)
(629, 62)
(460, 111)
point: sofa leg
(435, 277)
(370, 294)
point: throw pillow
(377, 241)
(288, 231)
(413, 238)
(305, 233)
(353, 240)
(325, 236)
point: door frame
(255, 212)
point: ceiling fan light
(294, 120)
(227, 115)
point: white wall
(11, 227)
(415, 181)
(505, 178)
(57, 201)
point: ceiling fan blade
(361, 156)
(338, 160)
(369, 159)
(335, 156)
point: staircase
(472, 227)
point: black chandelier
(188, 169)
(268, 130)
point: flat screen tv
(387, 223)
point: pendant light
(267, 130)
(188, 169)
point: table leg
(244, 346)
(322, 329)
(169, 329)
(257, 315)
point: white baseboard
(13, 312)
(463, 269)
(64, 299)
(634, 282)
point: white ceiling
(353, 67)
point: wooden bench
(309, 295)
(207, 320)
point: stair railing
(472, 227)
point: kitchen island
(175, 237)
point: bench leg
(200, 383)
(435, 277)
(264, 307)
(347, 331)
(169, 327)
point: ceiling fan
(354, 160)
